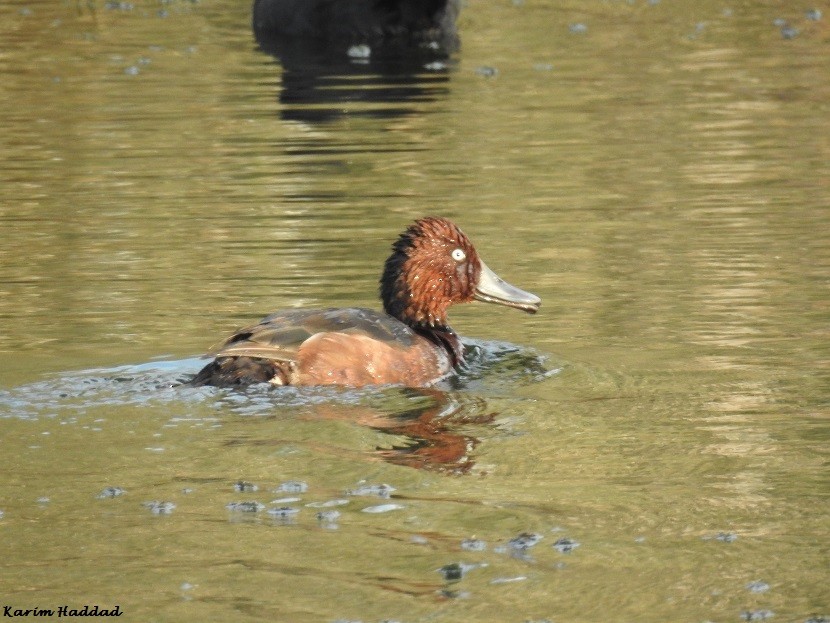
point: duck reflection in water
(372, 53)
(433, 436)
(429, 428)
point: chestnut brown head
(434, 266)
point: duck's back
(352, 346)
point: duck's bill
(493, 289)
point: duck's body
(350, 346)
(433, 265)
(354, 22)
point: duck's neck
(446, 338)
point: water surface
(655, 171)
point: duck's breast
(359, 359)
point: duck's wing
(263, 341)
(279, 336)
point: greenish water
(660, 180)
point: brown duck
(432, 267)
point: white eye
(458, 255)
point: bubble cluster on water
(245, 507)
(525, 540)
(283, 512)
(158, 507)
(497, 561)
(377, 490)
(245, 487)
(292, 486)
(455, 571)
(328, 516)
(723, 537)
(473, 545)
(757, 587)
(382, 508)
(110, 492)
(566, 545)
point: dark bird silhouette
(375, 23)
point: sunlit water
(651, 446)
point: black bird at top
(396, 24)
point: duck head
(434, 266)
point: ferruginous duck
(432, 267)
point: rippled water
(651, 446)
